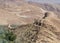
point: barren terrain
(30, 22)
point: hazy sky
(46, 1)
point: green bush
(6, 36)
(10, 36)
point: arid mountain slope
(44, 30)
(14, 12)
(47, 30)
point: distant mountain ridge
(49, 7)
(45, 1)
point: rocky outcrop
(44, 30)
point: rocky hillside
(45, 30)
(29, 22)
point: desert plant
(6, 36)
(10, 36)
